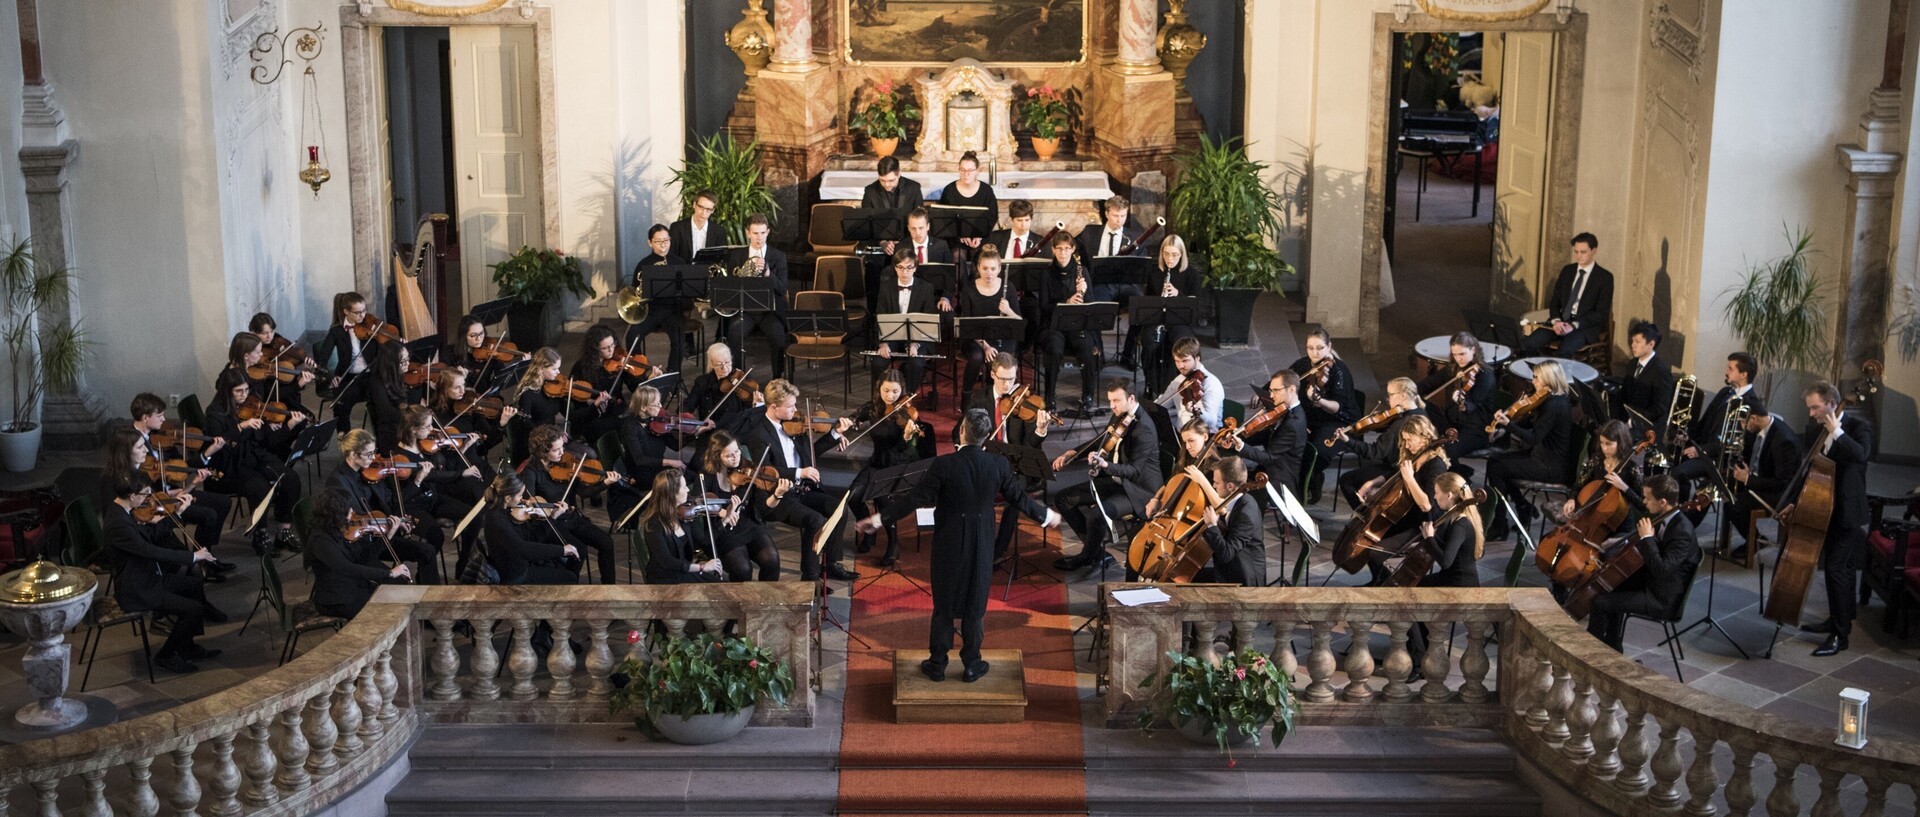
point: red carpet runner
(1036, 767)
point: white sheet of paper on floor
(1141, 596)
(923, 517)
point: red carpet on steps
(1036, 767)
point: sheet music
(1141, 597)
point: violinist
(1465, 401)
(208, 513)
(771, 263)
(281, 349)
(1415, 433)
(1380, 457)
(1456, 545)
(1846, 438)
(550, 477)
(478, 367)
(1010, 427)
(805, 510)
(245, 459)
(903, 295)
(1176, 278)
(248, 354)
(1196, 449)
(533, 406)
(898, 438)
(1278, 451)
(1194, 381)
(125, 450)
(1326, 389)
(450, 390)
(446, 485)
(988, 295)
(1064, 282)
(674, 545)
(364, 496)
(744, 540)
(519, 542)
(720, 394)
(1613, 464)
(1771, 458)
(643, 450)
(1665, 539)
(150, 577)
(349, 354)
(387, 393)
(1122, 482)
(1544, 441)
(346, 572)
(663, 314)
(610, 388)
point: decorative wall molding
(1485, 11)
(242, 30)
(446, 8)
(1681, 34)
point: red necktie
(921, 252)
(1016, 248)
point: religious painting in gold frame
(937, 32)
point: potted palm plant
(732, 171)
(698, 690)
(1231, 217)
(1779, 313)
(1226, 702)
(35, 359)
(534, 279)
(884, 116)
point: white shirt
(699, 232)
(920, 253)
(1579, 289)
(1640, 364)
(1212, 396)
(906, 296)
(358, 361)
(786, 443)
(1827, 438)
(1111, 241)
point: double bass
(1170, 547)
(1571, 551)
(1383, 512)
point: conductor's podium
(999, 697)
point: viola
(1370, 422)
(158, 506)
(445, 438)
(419, 374)
(816, 424)
(375, 329)
(1572, 551)
(278, 344)
(496, 350)
(256, 408)
(574, 388)
(1106, 442)
(1523, 407)
(488, 407)
(172, 434)
(1387, 506)
(633, 365)
(395, 466)
(686, 423)
(572, 467)
(375, 524)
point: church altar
(1032, 185)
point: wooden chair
(85, 541)
(1598, 352)
(1893, 558)
(846, 275)
(294, 620)
(823, 230)
(820, 347)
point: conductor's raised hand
(1053, 519)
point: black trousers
(580, 532)
(1085, 349)
(744, 548)
(186, 600)
(912, 369)
(1156, 354)
(1842, 557)
(208, 516)
(1508, 467)
(1076, 506)
(1543, 339)
(353, 391)
(254, 482)
(1608, 620)
(1351, 479)
(807, 512)
(662, 316)
(771, 326)
(973, 630)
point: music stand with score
(873, 224)
(882, 486)
(1147, 312)
(674, 282)
(745, 297)
(990, 328)
(1095, 317)
(490, 312)
(953, 222)
(716, 254)
(911, 327)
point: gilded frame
(845, 10)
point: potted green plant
(698, 690)
(1225, 702)
(35, 359)
(1231, 217)
(732, 171)
(883, 117)
(534, 279)
(1048, 113)
(1779, 313)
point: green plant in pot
(1049, 113)
(700, 689)
(1779, 312)
(534, 279)
(884, 116)
(732, 171)
(36, 359)
(1231, 217)
(1226, 702)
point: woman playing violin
(1381, 456)
(477, 356)
(350, 355)
(413, 543)
(1415, 433)
(1465, 401)
(250, 356)
(898, 438)
(672, 542)
(520, 542)
(988, 295)
(721, 393)
(610, 388)
(345, 573)
(549, 477)
(643, 449)
(745, 542)
(446, 485)
(126, 451)
(208, 513)
(387, 393)
(1545, 444)
(449, 395)
(246, 461)
(534, 406)
(1326, 389)
(1612, 464)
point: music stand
(886, 484)
(743, 296)
(491, 312)
(1029, 464)
(1116, 272)
(424, 348)
(1096, 317)
(941, 275)
(989, 328)
(873, 224)
(910, 327)
(505, 376)
(1147, 312)
(667, 384)
(957, 221)
(674, 282)
(716, 254)
(1713, 571)
(1293, 516)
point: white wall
(1899, 422)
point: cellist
(1235, 536)
(1846, 438)
(1456, 543)
(1665, 539)
(1614, 465)
(1379, 457)
(1415, 433)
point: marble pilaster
(795, 121)
(1132, 119)
(72, 416)
(1873, 172)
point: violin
(375, 523)
(375, 329)
(738, 379)
(1522, 407)
(686, 423)
(447, 437)
(419, 374)
(536, 508)
(1194, 390)
(765, 478)
(572, 467)
(496, 350)
(1370, 422)
(175, 471)
(579, 390)
(1316, 377)
(285, 370)
(172, 434)
(816, 424)
(395, 466)
(158, 506)
(488, 407)
(705, 506)
(1021, 403)
(257, 408)
(279, 344)
(633, 365)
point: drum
(1577, 372)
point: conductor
(960, 487)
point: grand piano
(1445, 135)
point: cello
(1571, 551)
(1170, 547)
(1418, 562)
(1364, 531)
(1618, 565)
(1804, 532)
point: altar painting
(941, 31)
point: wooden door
(496, 145)
(1522, 189)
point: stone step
(520, 747)
(636, 790)
(1186, 792)
(1315, 748)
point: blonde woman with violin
(745, 544)
(675, 545)
(645, 436)
(1326, 389)
(1379, 457)
(531, 402)
(451, 409)
(371, 484)
(521, 543)
(346, 572)
(246, 461)
(1544, 444)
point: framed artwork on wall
(937, 32)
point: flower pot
(1233, 311)
(884, 147)
(1201, 732)
(699, 730)
(527, 324)
(19, 450)
(1045, 148)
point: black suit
(1545, 454)
(148, 577)
(805, 510)
(1845, 551)
(1773, 459)
(338, 346)
(960, 487)
(1647, 389)
(1671, 557)
(1239, 549)
(345, 574)
(921, 297)
(1703, 434)
(1013, 431)
(1124, 486)
(1091, 244)
(772, 323)
(680, 237)
(525, 553)
(1592, 314)
(905, 196)
(1279, 450)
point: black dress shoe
(223, 567)
(1738, 554)
(215, 615)
(933, 671)
(214, 577)
(1834, 645)
(1129, 363)
(976, 671)
(1824, 627)
(195, 652)
(1416, 676)
(888, 560)
(174, 663)
(840, 574)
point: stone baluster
(716, 627)
(48, 793)
(1829, 803)
(1632, 778)
(185, 797)
(1436, 665)
(521, 661)
(1580, 718)
(1243, 634)
(1474, 665)
(320, 735)
(1739, 794)
(1283, 655)
(259, 767)
(389, 684)
(560, 660)
(1559, 700)
(1359, 662)
(368, 694)
(676, 628)
(292, 751)
(1398, 664)
(486, 662)
(1665, 794)
(1702, 781)
(599, 661)
(96, 805)
(1519, 685)
(346, 718)
(1605, 762)
(445, 663)
(1320, 664)
(1876, 796)
(224, 785)
(1783, 801)
(141, 801)
(1542, 693)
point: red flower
(1033, 92)
(633, 636)
(753, 664)
(1231, 763)
(663, 685)
(1240, 673)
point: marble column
(73, 416)
(794, 102)
(793, 35)
(1132, 101)
(1873, 172)
(1137, 26)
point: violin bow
(622, 371)
(871, 426)
(386, 536)
(456, 449)
(729, 393)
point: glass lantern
(1852, 731)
